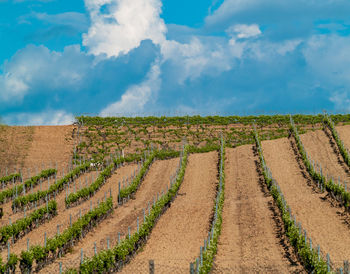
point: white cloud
(195, 58)
(137, 96)
(35, 68)
(244, 31)
(50, 117)
(126, 24)
(329, 58)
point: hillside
(226, 194)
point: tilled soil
(7, 207)
(176, 239)
(50, 144)
(323, 223)
(251, 240)
(123, 216)
(344, 134)
(14, 144)
(323, 150)
(63, 218)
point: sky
(60, 59)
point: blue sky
(125, 57)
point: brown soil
(176, 239)
(89, 177)
(63, 218)
(14, 144)
(344, 134)
(323, 150)
(50, 144)
(251, 239)
(124, 216)
(323, 223)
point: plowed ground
(323, 223)
(251, 240)
(176, 239)
(323, 150)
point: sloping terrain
(123, 216)
(344, 134)
(14, 144)
(50, 144)
(323, 223)
(176, 239)
(323, 150)
(250, 241)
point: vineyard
(267, 194)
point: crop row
(204, 262)
(23, 201)
(30, 183)
(334, 189)
(343, 151)
(87, 192)
(109, 260)
(311, 258)
(156, 154)
(206, 120)
(22, 226)
(10, 178)
(60, 243)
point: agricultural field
(253, 194)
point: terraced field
(264, 194)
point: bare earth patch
(14, 144)
(179, 233)
(50, 144)
(318, 145)
(323, 223)
(250, 240)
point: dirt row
(325, 224)
(123, 216)
(251, 240)
(63, 218)
(28, 148)
(176, 239)
(344, 134)
(323, 150)
(88, 177)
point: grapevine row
(109, 260)
(343, 151)
(335, 189)
(24, 225)
(18, 189)
(310, 257)
(61, 243)
(86, 192)
(40, 196)
(156, 154)
(204, 262)
(12, 177)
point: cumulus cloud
(130, 62)
(281, 19)
(137, 96)
(125, 24)
(49, 117)
(197, 57)
(37, 66)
